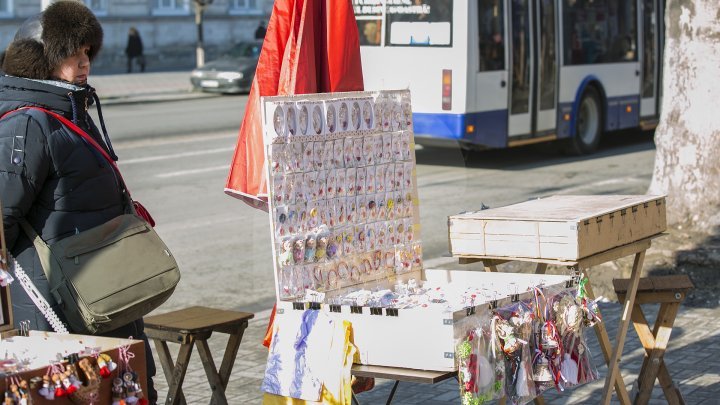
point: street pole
(199, 51)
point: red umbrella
(311, 46)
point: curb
(154, 97)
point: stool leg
(655, 344)
(231, 350)
(216, 385)
(174, 374)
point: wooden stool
(190, 325)
(669, 292)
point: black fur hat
(42, 42)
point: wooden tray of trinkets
(96, 389)
(6, 314)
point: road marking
(143, 143)
(175, 156)
(194, 171)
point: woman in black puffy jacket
(48, 174)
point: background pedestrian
(260, 31)
(134, 50)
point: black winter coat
(50, 176)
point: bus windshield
(422, 23)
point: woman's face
(76, 68)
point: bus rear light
(566, 117)
(470, 129)
(447, 89)
(628, 109)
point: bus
(503, 73)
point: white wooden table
(400, 374)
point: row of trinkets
(326, 244)
(289, 188)
(527, 348)
(303, 217)
(309, 118)
(353, 151)
(80, 380)
(296, 280)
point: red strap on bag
(140, 210)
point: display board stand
(612, 354)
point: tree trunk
(687, 163)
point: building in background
(167, 27)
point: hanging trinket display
(340, 170)
(126, 389)
(526, 348)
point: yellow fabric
(337, 378)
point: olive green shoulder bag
(110, 275)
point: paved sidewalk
(145, 87)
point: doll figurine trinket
(298, 250)
(286, 252)
(310, 248)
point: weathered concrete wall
(169, 40)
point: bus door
(521, 68)
(491, 77)
(533, 67)
(546, 99)
(650, 67)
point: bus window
(548, 65)
(649, 49)
(491, 28)
(418, 23)
(600, 31)
(521, 85)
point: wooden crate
(564, 227)
(421, 338)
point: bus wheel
(588, 126)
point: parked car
(232, 72)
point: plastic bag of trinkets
(565, 316)
(512, 326)
(481, 370)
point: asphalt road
(175, 158)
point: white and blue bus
(502, 73)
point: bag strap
(72, 126)
(42, 248)
(133, 205)
(80, 132)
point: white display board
(342, 191)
